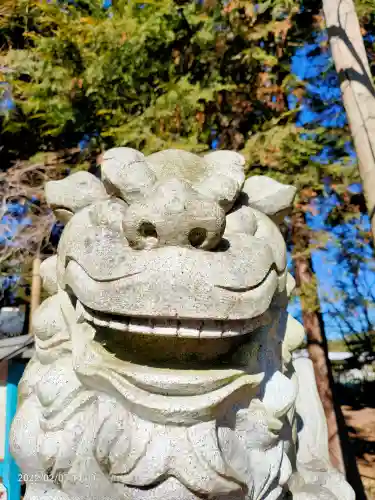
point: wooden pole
(36, 286)
(357, 88)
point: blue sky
(315, 67)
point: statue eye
(197, 236)
(147, 230)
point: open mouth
(172, 327)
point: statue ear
(69, 195)
(269, 196)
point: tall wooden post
(36, 286)
(357, 88)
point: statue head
(172, 243)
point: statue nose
(174, 214)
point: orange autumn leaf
(76, 82)
(200, 117)
(233, 4)
(87, 20)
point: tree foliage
(157, 75)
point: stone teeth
(233, 328)
(100, 322)
(87, 316)
(211, 329)
(139, 326)
(165, 327)
(230, 333)
(189, 328)
(118, 325)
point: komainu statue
(163, 366)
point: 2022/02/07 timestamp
(39, 477)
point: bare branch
(23, 236)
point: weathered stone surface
(73, 193)
(268, 195)
(163, 365)
(125, 173)
(48, 274)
